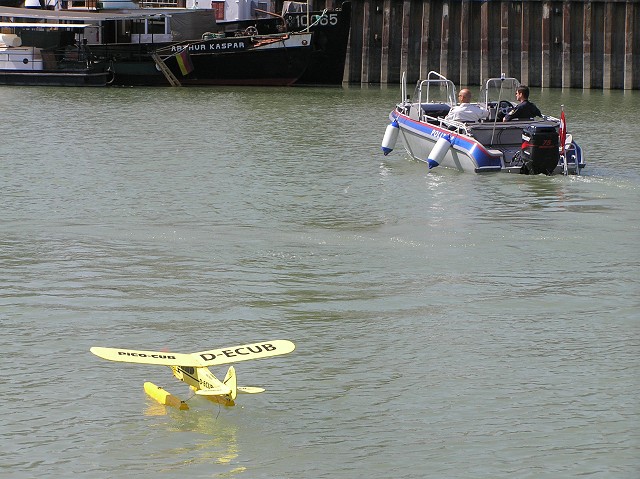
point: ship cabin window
(133, 26)
(144, 26)
(156, 26)
(218, 9)
(258, 11)
(81, 4)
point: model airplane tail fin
(231, 381)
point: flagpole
(563, 137)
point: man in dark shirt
(525, 109)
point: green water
(447, 324)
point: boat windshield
(496, 89)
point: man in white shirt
(466, 111)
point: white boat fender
(390, 137)
(10, 39)
(439, 150)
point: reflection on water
(156, 409)
(216, 443)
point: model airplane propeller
(193, 369)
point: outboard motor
(540, 150)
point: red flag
(184, 62)
(562, 131)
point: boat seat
(435, 109)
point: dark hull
(134, 66)
(53, 78)
(330, 39)
(329, 52)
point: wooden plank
(366, 32)
(424, 44)
(504, 39)
(444, 41)
(465, 23)
(546, 32)
(484, 42)
(586, 48)
(608, 47)
(386, 40)
(525, 44)
(628, 46)
(566, 45)
(406, 28)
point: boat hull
(27, 65)
(54, 78)
(279, 63)
(329, 43)
(464, 155)
(330, 39)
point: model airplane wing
(263, 349)
(214, 357)
(148, 357)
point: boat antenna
(495, 119)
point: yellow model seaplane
(193, 369)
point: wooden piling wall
(559, 44)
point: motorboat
(525, 146)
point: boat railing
(435, 114)
(434, 75)
(74, 56)
(160, 4)
(454, 126)
(436, 86)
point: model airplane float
(193, 369)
